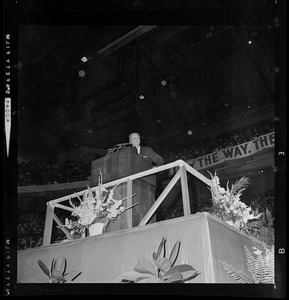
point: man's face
(135, 140)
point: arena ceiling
(162, 81)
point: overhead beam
(125, 39)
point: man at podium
(147, 153)
(123, 163)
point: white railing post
(185, 191)
(129, 203)
(48, 225)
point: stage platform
(205, 241)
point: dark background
(215, 79)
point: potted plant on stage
(94, 211)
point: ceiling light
(163, 83)
(141, 96)
(189, 132)
(250, 42)
(81, 73)
(84, 59)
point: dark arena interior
(203, 93)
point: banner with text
(235, 152)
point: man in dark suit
(154, 159)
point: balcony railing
(181, 174)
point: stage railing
(180, 174)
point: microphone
(118, 147)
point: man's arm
(156, 158)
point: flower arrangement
(227, 204)
(97, 206)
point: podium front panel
(144, 196)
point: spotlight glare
(141, 96)
(189, 132)
(163, 83)
(84, 59)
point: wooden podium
(121, 164)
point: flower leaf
(185, 270)
(144, 266)
(60, 264)
(52, 265)
(160, 247)
(43, 267)
(191, 276)
(163, 264)
(176, 277)
(70, 202)
(242, 183)
(174, 253)
(57, 275)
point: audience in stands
(167, 213)
(30, 228)
(224, 140)
(239, 136)
(35, 173)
